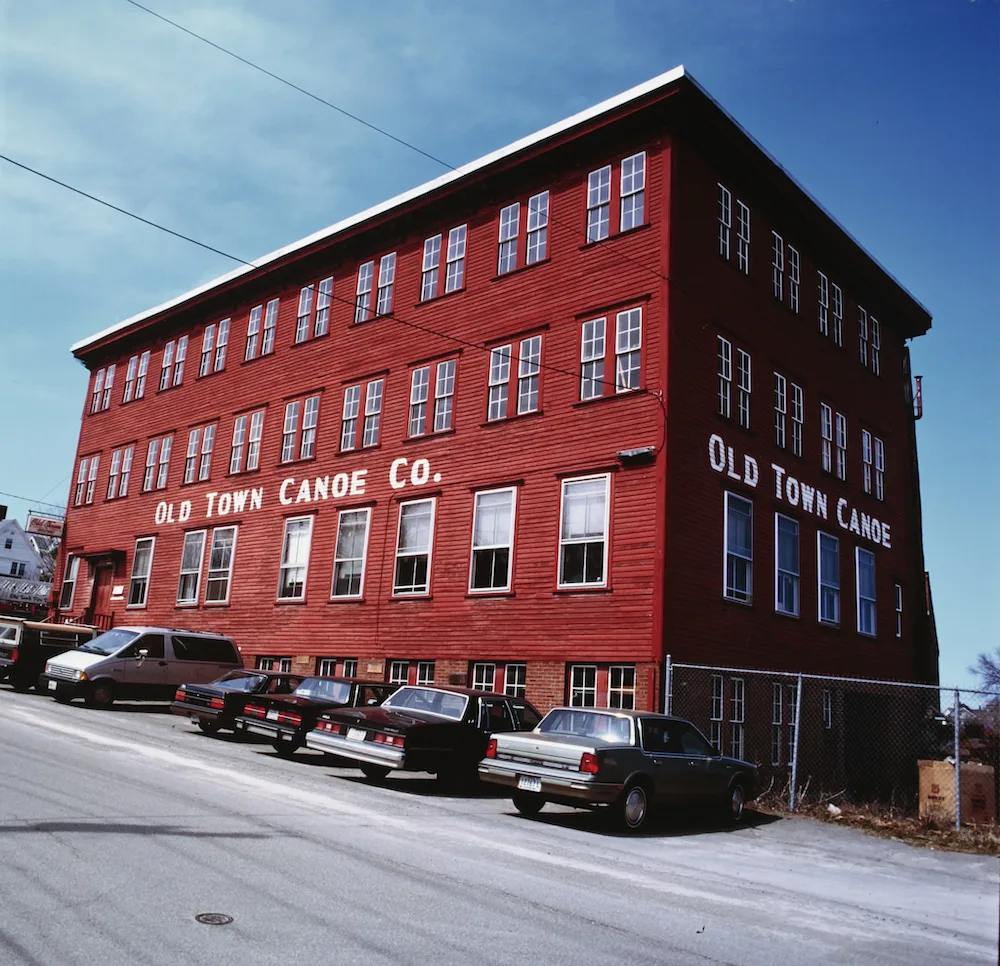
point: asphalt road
(117, 828)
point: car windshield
(447, 704)
(241, 681)
(7, 632)
(339, 691)
(601, 726)
(109, 642)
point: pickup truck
(25, 646)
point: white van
(138, 662)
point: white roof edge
(633, 93)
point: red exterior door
(101, 599)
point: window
(430, 268)
(304, 317)
(270, 325)
(777, 266)
(350, 667)
(592, 359)
(16, 569)
(326, 667)
(776, 737)
(743, 386)
(295, 559)
(142, 563)
(198, 460)
(583, 532)
(444, 392)
(386, 279)
(399, 672)
(292, 440)
(220, 565)
(149, 476)
(718, 702)
(739, 549)
(425, 672)
(786, 562)
(899, 610)
(189, 579)
(621, 686)
(838, 315)
(304, 314)
(876, 345)
(583, 685)
(797, 419)
(725, 377)
(826, 432)
(163, 463)
(827, 708)
(413, 548)
(113, 476)
(349, 422)
(167, 365)
(515, 680)
(793, 279)
(455, 267)
(510, 219)
(69, 582)
(207, 346)
(85, 478)
(283, 665)
(828, 566)
(349, 555)
(736, 717)
(109, 381)
(743, 237)
(866, 459)
(598, 204)
(863, 335)
(140, 377)
(492, 541)
(242, 447)
(363, 298)
(419, 390)
(220, 346)
(824, 304)
(95, 399)
(879, 469)
(528, 367)
(133, 364)
(841, 447)
(498, 383)
(373, 412)
(780, 409)
(178, 374)
(538, 228)
(725, 216)
(865, 563)
(633, 191)
(253, 333)
(484, 677)
(793, 713)
(628, 344)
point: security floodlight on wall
(640, 455)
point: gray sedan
(629, 761)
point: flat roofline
(604, 107)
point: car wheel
(209, 727)
(21, 684)
(528, 803)
(375, 772)
(102, 695)
(736, 803)
(285, 748)
(633, 807)
(62, 698)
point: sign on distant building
(44, 526)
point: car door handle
(163, 663)
(693, 764)
(657, 761)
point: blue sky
(885, 110)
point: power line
(28, 499)
(335, 298)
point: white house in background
(18, 557)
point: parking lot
(121, 826)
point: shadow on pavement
(427, 786)
(124, 828)
(664, 823)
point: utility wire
(28, 499)
(336, 298)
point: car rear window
(448, 704)
(587, 724)
(211, 650)
(339, 691)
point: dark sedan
(286, 719)
(628, 761)
(215, 706)
(419, 728)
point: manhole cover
(214, 918)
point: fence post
(795, 744)
(667, 684)
(956, 714)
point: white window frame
(484, 675)
(777, 266)
(899, 609)
(430, 268)
(70, 574)
(221, 574)
(587, 538)
(290, 431)
(374, 395)
(876, 346)
(863, 335)
(425, 673)
(826, 434)
(593, 347)
(798, 418)
(253, 333)
(494, 545)
(349, 418)
(628, 350)
(133, 364)
(725, 373)
(289, 568)
(92, 479)
(733, 592)
(621, 686)
(632, 192)
(116, 462)
(324, 296)
(149, 475)
(867, 458)
(310, 424)
(599, 204)
(95, 398)
(515, 679)
(207, 347)
(386, 282)
(179, 359)
(350, 667)
(303, 315)
(838, 314)
(824, 304)
(444, 395)
(163, 462)
(191, 455)
(499, 382)
(780, 410)
(716, 709)
(529, 360)
(737, 715)
(743, 237)
(253, 439)
(787, 579)
(205, 457)
(399, 672)
(793, 279)
(454, 278)
(538, 224)
(221, 343)
(865, 602)
(140, 581)
(140, 376)
(509, 227)
(81, 481)
(166, 365)
(879, 469)
(583, 682)
(326, 667)
(420, 384)
(725, 218)
(191, 600)
(270, 328)
(840, 424)
(339, 559)
(825, 582)
(109, 382)
(413, 589)
(744, 386)
(363, 293)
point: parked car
(26, 645)
(629, 761)
(138, 662)
(215, 706)
(286, 719)
(421, 728)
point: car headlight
(48, 668)
(79, 675)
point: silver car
(629, 761)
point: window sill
(346, 600)
(429, 436)
(437, 298)
(641, 391)
(216, 603)
(781, 613)
(638, 229)
(582, 589)
(290, 601)
(298, 462)
(520, 269)
(489, 594)
(357, 449)
(309, 339)
(258, 357)
(739, 603)
(239, 473)
(402, 598)
(516, 417)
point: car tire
(101, 695)
(62, 698)
(21, 684)
(209, 727)
(374, 772)
(735, 804)
(528, 803)
(633, 807)
(286, 749)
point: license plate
(272, 715)
(52, 685)
(357, 734)
(526, 783)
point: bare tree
(988, 669)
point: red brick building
(619, 390)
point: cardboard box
(937, 793)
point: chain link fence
(819, 739)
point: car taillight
(217, 703)
(13, 654)
(491, 748)
(588, 763)
(255, 710)
(389, 739)
(288, 718)
(179, 694)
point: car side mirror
(371, 702)
(143, 654)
